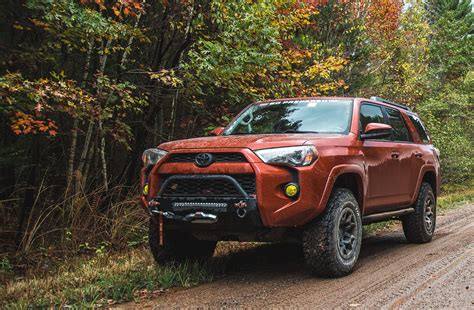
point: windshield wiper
(240, 133)
(297, 131)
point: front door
(382, 163)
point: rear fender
(425, 169)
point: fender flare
(424, 169)
(340, 170)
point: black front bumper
(239, 213)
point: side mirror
(218, 131)
(376, 131)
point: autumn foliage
(87, 85)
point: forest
(87, 85)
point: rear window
(420, 128)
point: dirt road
(391, 274)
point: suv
(310, 170)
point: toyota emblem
(203, 159)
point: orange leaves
(22, 123)
(120, 8)
(383, 19)
(27, 104)
(123, 8)
(292, 18)
(39, 23)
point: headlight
(292, 156)
(152, 156)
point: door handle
(395, 155)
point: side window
(400, 130)
(420, 128)
(370, 113)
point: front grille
(219, 157)
(209, 187)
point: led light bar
(200, 204)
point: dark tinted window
(370, 114)
(400, 130)
(420, 128)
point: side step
(379, 217)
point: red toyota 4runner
(311, 170)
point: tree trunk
(79, 176)
(90, 153)
(130, 40)
(174, 110)
(75, 125)
(102, 157)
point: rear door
(422, 151)
(405, 155)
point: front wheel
(177, 246)
(419, 226)
(332, 243)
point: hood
(253, 142)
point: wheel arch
(430, 178)
(353, 182)
(351, 177)
(429, 175)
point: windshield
(305, 116)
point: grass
(104, 278)
(454, 198)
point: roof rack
(375, 98)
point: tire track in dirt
(391, 274)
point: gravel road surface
(391, 274)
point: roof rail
(375, 98)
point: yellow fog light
(291, 189)
(145, 189)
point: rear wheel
(419, 226)
(178, 246)
(332, 243)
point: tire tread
(318, 244)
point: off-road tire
(321, 242)
(177, 246)
(415, 225)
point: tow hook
(241, 208)
(241, 212)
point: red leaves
(22, 123)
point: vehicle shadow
(285, 258)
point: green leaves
(229, 59)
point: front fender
(328, 187)
(340, 170)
